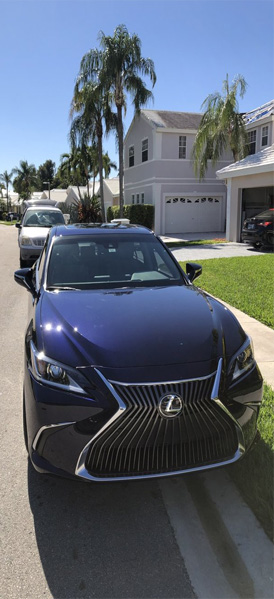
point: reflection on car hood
(34, 232)
(135, 327)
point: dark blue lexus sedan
(131, 371)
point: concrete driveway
(203, 252)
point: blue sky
(193, 44)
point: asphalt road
(181, 537)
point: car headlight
(243, 361)
(26, 241)
(54, 373)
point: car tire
(257, 245)
(25, 430)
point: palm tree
(119, 69)
(69, 168)
(7, 179)
(26, 179)
(45, 174)
(91, 104)
(108, 165)
(222, 127)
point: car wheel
(257, 245)
(25, 424)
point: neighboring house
(111, 192)
(38, 195)
(58, 195)
(250, 182)
(13, 198)
(159, 171)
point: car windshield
(43, 218)
(107, 261)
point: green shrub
(138, 214)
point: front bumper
(30, 252)
(116, 432)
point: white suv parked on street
(33, 230)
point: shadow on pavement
(105, 540)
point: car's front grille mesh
(38, 242)
(142, 442)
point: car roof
(37, 202)
(42, 207)
(98, 229)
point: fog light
(56, 372)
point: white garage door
(193, 214)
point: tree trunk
(78, 187)
(87, 180)
(120, 132)
(100, 160)
(7, 197)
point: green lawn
(254, 473)
(8, 223)
(246, 283)
(178, 244)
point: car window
(266, 214)
(43, 218)
(110, 261)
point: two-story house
(159, 170)
(250, 182)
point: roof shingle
(168, 119)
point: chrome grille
(39, 242)
(142, 442)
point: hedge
(138, 214)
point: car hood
(34, 232)
(135, 327)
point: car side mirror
(18, 225)
(23, 277)
(193, 270)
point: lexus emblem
(171, 406)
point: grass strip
(247, 283)
(253, 475)
(8, 223)
(178, 244)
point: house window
(144, 150)
(133, 199)
(264, 136)
(137, 198)
(131, 156)
(182, 146)
(142, 198)
(251, 136)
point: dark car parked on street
(259, 230)
(12, 216)
(131, 371)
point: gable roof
(261, 112)
(113, 185)
(262, 161)
(167, 119)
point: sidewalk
(263, 340)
